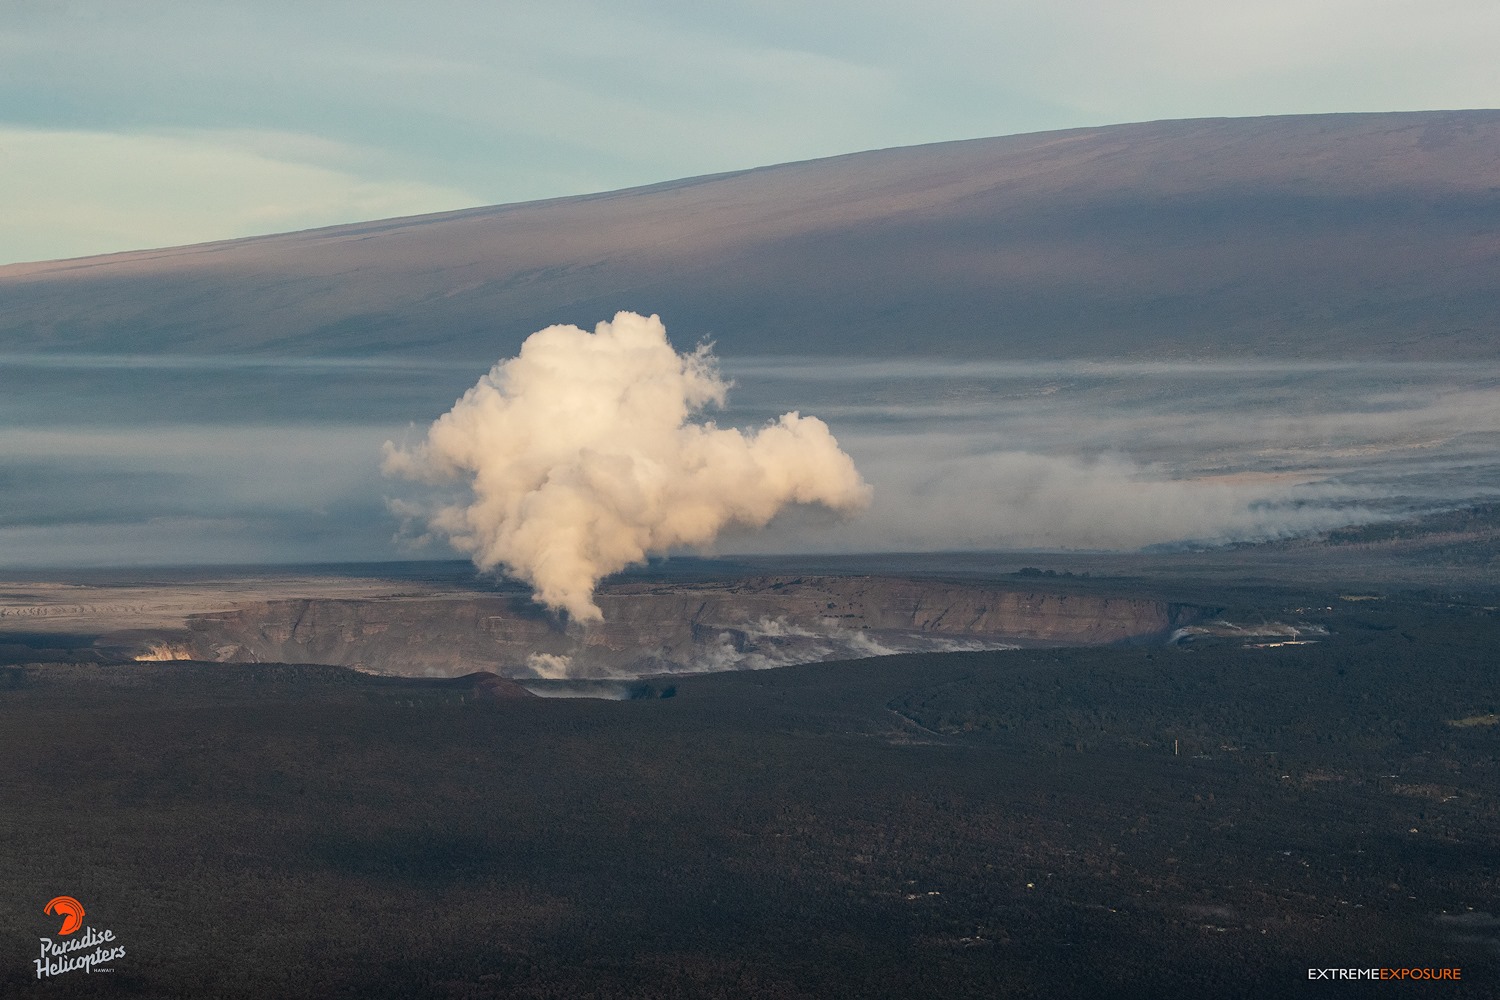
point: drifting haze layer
(583, 459)
(219, 460)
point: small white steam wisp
(583, 458)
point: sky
(127, 124)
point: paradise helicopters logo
(90, 951)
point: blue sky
(137, 123)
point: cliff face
(670, 628)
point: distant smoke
(583, 458)
(549, 665)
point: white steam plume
(583, 458)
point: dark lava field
(1209, 818)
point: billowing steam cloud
(584, 458)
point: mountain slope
(1373, 235)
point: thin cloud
(71, 193)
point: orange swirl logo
(70, 909)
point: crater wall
(666, 628)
